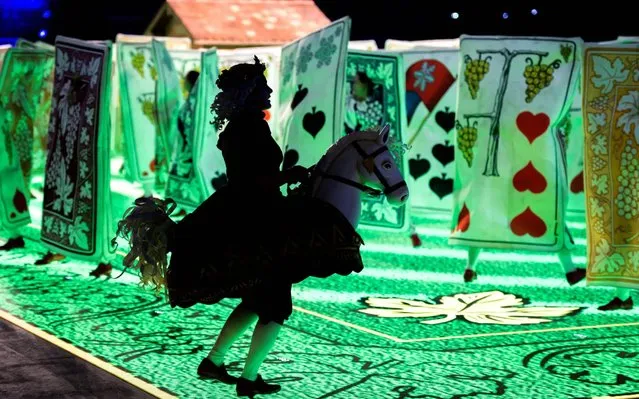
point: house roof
(247, 22)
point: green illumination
(329, 348)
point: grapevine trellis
(538, 76)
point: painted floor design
(331, 349)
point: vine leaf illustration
(607, 73)
(493, 307)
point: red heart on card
(577, 184)
(463, 220)
(529, 178)
(152, 165)
(532, 126)
(528, 222)
(20, 201)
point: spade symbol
(219, 181)
(441, 186)
(313, 122)
(300, 95)
(444, 153)
(445, 119)
(290, 159)
(418, 167)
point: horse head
(377, 167)
(364, 160)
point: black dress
(249, 241)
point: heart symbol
(529, 178)
(445, 119)
(463, 220)
(20, 201)
(418, 167)
(532, 126)
(577, 184)
(444, 153)
(313, 122)
(152, 165)
(441, 186)
(528, 223)
(299, 96)
(291, 157)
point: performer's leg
(275, 308)
(573, 274)
(473, 255)
(622, 300)
(238, 322)
(262, 342)
(14, 240)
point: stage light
(504, 15)
(454, 15)
(47, 14)
(42, 33)
(533, 11)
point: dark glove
(296, 174)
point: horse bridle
(388, 189)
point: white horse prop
(361, 163)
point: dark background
(372, 19)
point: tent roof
(247, 22)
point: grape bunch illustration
(466, 139)
(627, 199)
(148, 107)
(475, 72)
(137, 61)
(538, 77)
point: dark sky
(399, 19)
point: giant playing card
(169, 97)
(196, 159)
(269, 56)
(431, 95)
(76, 212)
(137, 79)
(22, 88)
(210, 170)
(510, 180)
(310, 114)
(611, 116)
(374, 98)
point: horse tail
(148, 228)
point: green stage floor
(519, 331)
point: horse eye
(387, 165)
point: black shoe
(103, 269)
(49, 257)
(12, 243)
(470, 276)
(576, 276)
(617, 304)
(251, 388)
(208, 369)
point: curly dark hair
(235, 84)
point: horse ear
(383, 134)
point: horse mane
(340, 145)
